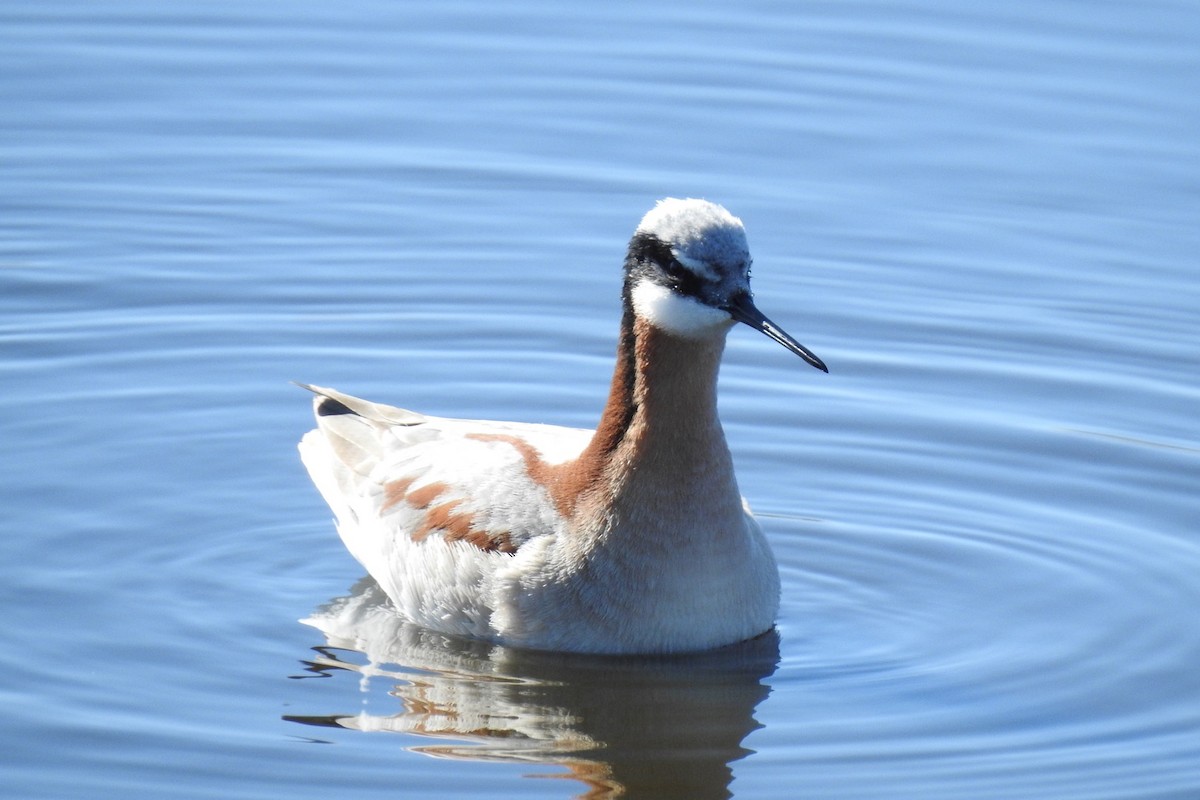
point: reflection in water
(625, 726)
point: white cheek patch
(675, 313)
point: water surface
(982, 218)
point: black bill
(742, 309)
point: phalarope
(632, 538)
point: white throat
(677, 314)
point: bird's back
(431, 506)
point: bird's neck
(659, 432)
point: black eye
(681, 279)
(673, 268)
(659, 252)
(654, 258)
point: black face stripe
(652, 258)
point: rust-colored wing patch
(394, 492)
(421, 498)
(566, 483)
(443, 518)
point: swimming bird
(632, 538)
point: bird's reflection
(626, 727)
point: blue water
(982, 216)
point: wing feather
(430, 478)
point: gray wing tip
(312, 387)
(331, 402)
